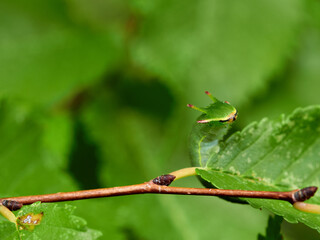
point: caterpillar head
(217, 111)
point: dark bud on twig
(164, 180)
(12, 205)
(304, 194)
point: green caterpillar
(210, 128)
(206, 133)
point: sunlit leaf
(274, 156)
(49, 221)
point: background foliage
(93, 94)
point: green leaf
(46, 54)
(297, 85)
(273, 229)
(33, 156)
(307, 67)
(8, 231)
(32, 164)
(57, 138)
(57, 222)
(274, 155)
(229, 46)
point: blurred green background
(94, 93)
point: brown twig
(158, 186)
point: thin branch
(160, 185)
(151, 187)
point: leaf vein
(242, 150)
(270, 151)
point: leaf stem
(307, 207)
(5, 212)
(185, 172)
